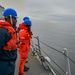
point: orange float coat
(24, 37)
(11, 44)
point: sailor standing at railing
(25, 34)
(8, 40)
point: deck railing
(47, 61)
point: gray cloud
(43, 9)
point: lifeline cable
(57, 51)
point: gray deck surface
(35, 66)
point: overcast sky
(42, 9)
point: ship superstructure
(1, 10)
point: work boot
(26, 68)
(20, 73)
(26, 61)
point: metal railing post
(68, 70)
(38, 44)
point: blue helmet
(10, 12)
(27, 23)
(25, 18)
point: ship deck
(35, 66)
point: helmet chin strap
(11, 20)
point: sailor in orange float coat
(24, 36)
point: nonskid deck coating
(35, 66)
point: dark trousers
(7, 67)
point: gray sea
(59, 35)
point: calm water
(58, 35)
